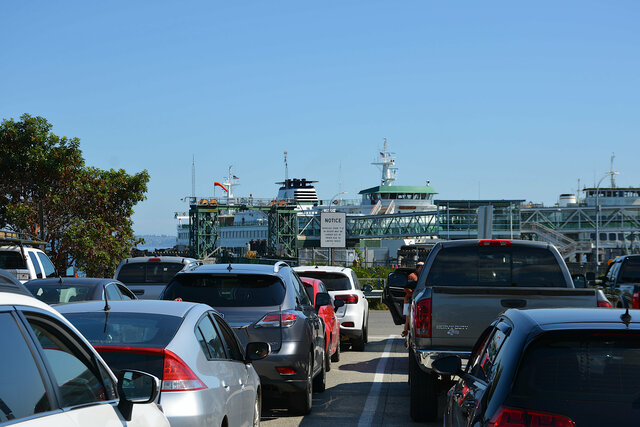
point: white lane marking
(386, 337)
(370, 406)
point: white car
(26, 263)
(342, 284)
(51, 376)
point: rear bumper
(355, 315)
(294, 354)
(425, 358)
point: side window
(611, 274)
(356, 282)
(22, 391)
(125, 294)
(112, 292)
(36, 265)
(230, 340)
(209, 339)
(78, 378)
(485, 366)
(301, 294)
(47, 265)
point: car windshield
(332, 281)
(58, 294)
(630, 270)
(495, 266)
(228, 290)
(563, 372)
(126, 329)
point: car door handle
(225, 386)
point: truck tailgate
(460, 314)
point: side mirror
(257, 351)
(135, 387)
(367, 288)
(338, 303)
(322, 298)
(448, 365)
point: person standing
(408, 292)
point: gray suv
(266, 303)
(148, 275)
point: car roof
(9, 283)
(13, 299)
(322, 268)
(169, 308)
(177, 259)
(236, 269)
(567, 318)
(71, 281)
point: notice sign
(333, 229)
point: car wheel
(358, 343)
(300, 402)
(257, 407)
(365, 331)
(320, 381)
(327, 357)
(423, 402)
(335, 357)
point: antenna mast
(286, 167)
(193, 178)
(613, 180)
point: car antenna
(106, 300)
(229, 268)
(626, 317)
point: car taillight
(422, 318)
(604, 304)
(512, 417)
(286, 370)
(177, 376)
(494, 242)
(635, 301)
(273, 320)
(154, 260)
(348, 299)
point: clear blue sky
(494, 99)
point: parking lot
(364, 388)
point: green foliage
(378, 271)
(86, 211)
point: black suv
(266, 303)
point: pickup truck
(24, 261)
(463, 286)
(622, 281)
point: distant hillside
(153, 242)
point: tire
(327, 357)
(335, 357)
(300, 401)
(320, 380)
(423, 402)
(257, 409)
(365, 331)
(358, 343)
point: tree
(86, 211)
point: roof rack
(278, 265)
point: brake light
(348, 299)
(177, 376)
(604, 304)
(422, 318)
(154, 259)
(635, 301)
(512, 417)
(286, 370)
(273, 320)
(494, 242)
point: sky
(490, 100)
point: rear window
(126, 329)
(149, 272)
(10, 260)
(630, 271)
(229, 290)
(564, 372)
(333, 281)
(56, 293)
(495, 266)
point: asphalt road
(365, 388)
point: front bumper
(425, 358)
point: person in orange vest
(408, 292)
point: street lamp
(334, 197)
(597, 258)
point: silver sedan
(207, 378)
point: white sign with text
(333, 229)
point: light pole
(597, 258)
